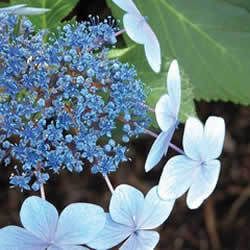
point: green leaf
(115, 53)
(210, 39)
(58, 10)
(241, 3)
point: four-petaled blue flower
(43, 229)
(166, 112)
(130, 217)
(198, 170)
(139, 31)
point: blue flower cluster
(64, 103)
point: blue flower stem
(42, 191)
(171, 145)
(108, 182)
(120, 32)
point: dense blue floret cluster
(63, 102)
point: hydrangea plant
(65, 104)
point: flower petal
(158, 149)
(12, 8)
(141, 240)
(126, 205)
(132, 24)
(39, 217)
(152, 48)
(204, 184)
(192, 138)
(174, 86)
(213, 140)
(127, 5)
(13, 237)
(67, 247)
(30, 11)
(155, 210)
(111, 235)
(176, 177)
(79, 223)
(165, 113)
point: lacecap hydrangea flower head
(62, 102)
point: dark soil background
(222, 222)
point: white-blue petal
(25, 11)
(165, 113)
(177, 177)
(203, 184)
(67, 247)
(127, 5)
(152, 48)
(131, 243)
(141, 240)
(155, 210)
(213, 140)
(17, 238)
(126, 205)
(139, 31)
(79, 223)
(174, 86)
(158, 149)
(111, 235)
(13, 8)
(193, 138)
(39, 217)
(133, 25)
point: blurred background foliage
(59, 9)
(210, 39)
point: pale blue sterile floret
(139, 31)
(198, 170)
(166, 112)
(63, 101)
(23, 9)
(78, 224)
(132, 217)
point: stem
(148, 107)
(211, 225)
(108, 182)
(42, 192)
(120, 32)
(235, 208)
(149, 132)
(171, 145)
